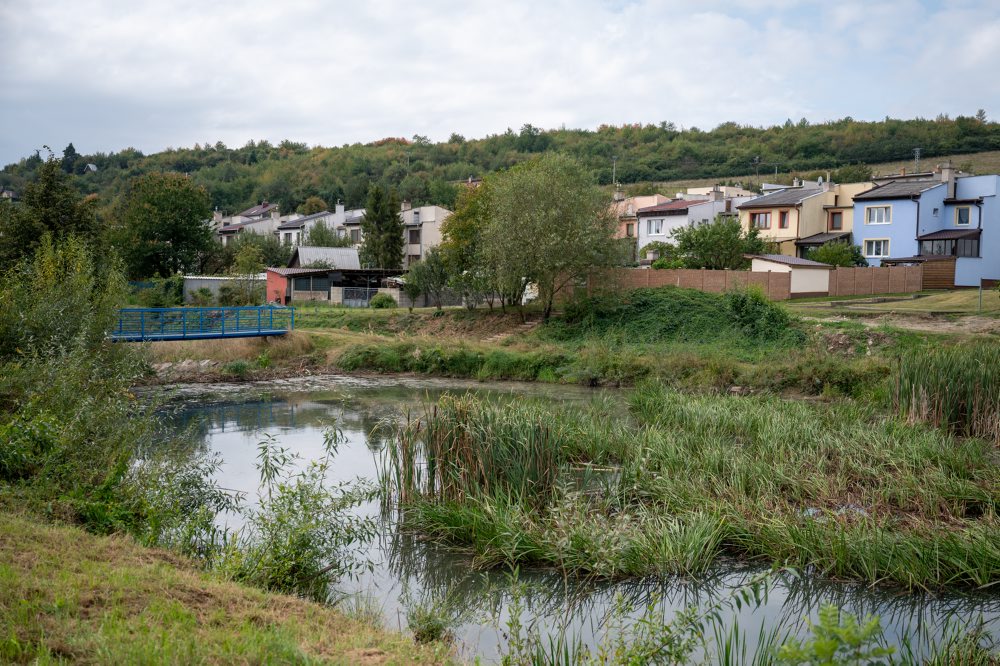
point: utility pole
(614, 170)
(916, 160)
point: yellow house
(800, 218)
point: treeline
(427, 173)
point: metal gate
(358, 297)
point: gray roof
(898, 190)
(298, 222)
(344, 258)
(819, 239)
(788, 261)
(789, 197)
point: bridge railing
(211, 322)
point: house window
(760, 220)
(877, 248)
(414, 236)
(654, 227)
(963, 247)
(836, 221)
(962, 216)
(630, 230)
(878, 215)
(355, 236)
(412, 259)
(783, 219)
(288, 238)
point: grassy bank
(839, 488)
(68, 596)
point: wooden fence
(777, 286)
(882, 280)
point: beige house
(421, 228)
(797, 219)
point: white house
(657, 223)
(295, 231)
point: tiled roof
(898, 190)
(819, 239)
(257, 211)
(790, 197)
(292, 272)
(299, 222)
(788, 261)
(677, 205)
(951, 234)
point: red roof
(671, 206)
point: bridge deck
(153, 324)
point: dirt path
(968, 324)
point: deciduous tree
(548, 223)
(162, 225)
(717, 245)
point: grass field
(114, 602)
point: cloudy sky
(112, 74)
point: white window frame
(884, 248)
(886, 218)
(654, 227)
(968, 222)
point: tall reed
(956, 387)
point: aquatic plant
(955, 387)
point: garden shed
(808, 278)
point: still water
(230, 420)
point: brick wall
(870, 281)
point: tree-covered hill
(425, 172)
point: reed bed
(954, 387)
(836, 488)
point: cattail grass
(954, 387)
(672, 482)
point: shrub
(381, 301)
(746, 318)
(202, 297)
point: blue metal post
(223, 312)
(271, 324)
(258, 320)
(184, 323)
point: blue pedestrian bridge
(154, 324)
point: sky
(107, 75)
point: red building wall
(277, 287)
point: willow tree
(548, 224)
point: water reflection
(407, 567)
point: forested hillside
(425, 172)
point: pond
(230, 420)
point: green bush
(202, 297)
(381, 301)
(239, 368)
(673, 314)
(165, 293)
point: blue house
(933, 216)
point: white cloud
(150, 74)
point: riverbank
(699, 350)
(67, 595)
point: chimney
(948, 176)
(715, 194)
(619, 194)
(796, 182)
(339, 209)
(405, 206)
(902, 171)
(217, 216)
(275, 214)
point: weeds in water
(955, 387)
(838, 638)
(838, 488)
(434, 617)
